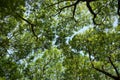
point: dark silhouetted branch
(92, 12)
(106, 73)
(118, 8)
(102, 71)
(75, 5)
(113, 66)
(31, 24)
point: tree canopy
(59, 40)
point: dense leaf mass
(59, 39)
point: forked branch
(101, 70)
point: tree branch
(57, 3)
(106, 73)
(113, 66)
(75, 4)
(72, 5)
(102, 71)
(118, 11)
(67, 6)
(31, 24)
(92, 12)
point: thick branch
(92, 12)
(102, 71)
(75, 5)
(106, 73)
(74, 10)
(113, 66)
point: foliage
(59, 40)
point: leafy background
(50, 40)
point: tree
(33, 32)
(46, 65)
(103, 50)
